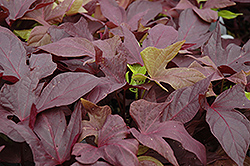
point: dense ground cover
(104, 82)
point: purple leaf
(64, 89)
(79, 29)
(140, 6)
(71, 47)
(192, 29)
(218, 4)
(49, 14)
(41, 65)
(225, 122)
(12, 55)
(147, 116)
(132, 46)
(20, 96)
(233, 56)
(111, 146)
(56, 33)
(112, 11)
(184, 103)
(16, 8)
(8, 126)
(56, 138)
(160, 36)
(108, 46)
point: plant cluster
(105, 82)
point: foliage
(122, 83)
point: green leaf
(24, 34)
(247, 94)
(149, 160)
(227, 14)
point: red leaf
(184, 103)
(192, 29)
(7, 126)
(112, 146)
(64, 89)
(16, 8)
(133, 47)
(225, 122)
(147, 116)
(79, 29)
(49, 14)
(151, 8)
(160, 36)
(71, 47)
(12, 55)
(233, 56)
(57, 138)
(19, 97)
(111, 10)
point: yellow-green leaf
(24, 34)
(227, 14)
(156, 60)
(148, 160)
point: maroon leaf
(137, 7)
(41, 65)
(56, 138)
(233, 56)
(79, 29)
(57, 33)
(184, 103)
(132, 46)
(12, 55)
(8, 126)
(114, 68)
(111, 10)
(19, 97)
(147, 116)
(192, 29)
(225, 122)
(205, 13)
(218, 4)
(49, 14)
(160, 36)
(71, 47)
(112, 146)
(16, 8)
(64, 89)
(108, 46)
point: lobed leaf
(225, 122)
(111, 146)
(97, 116)
(156, 60)
(147, 116)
